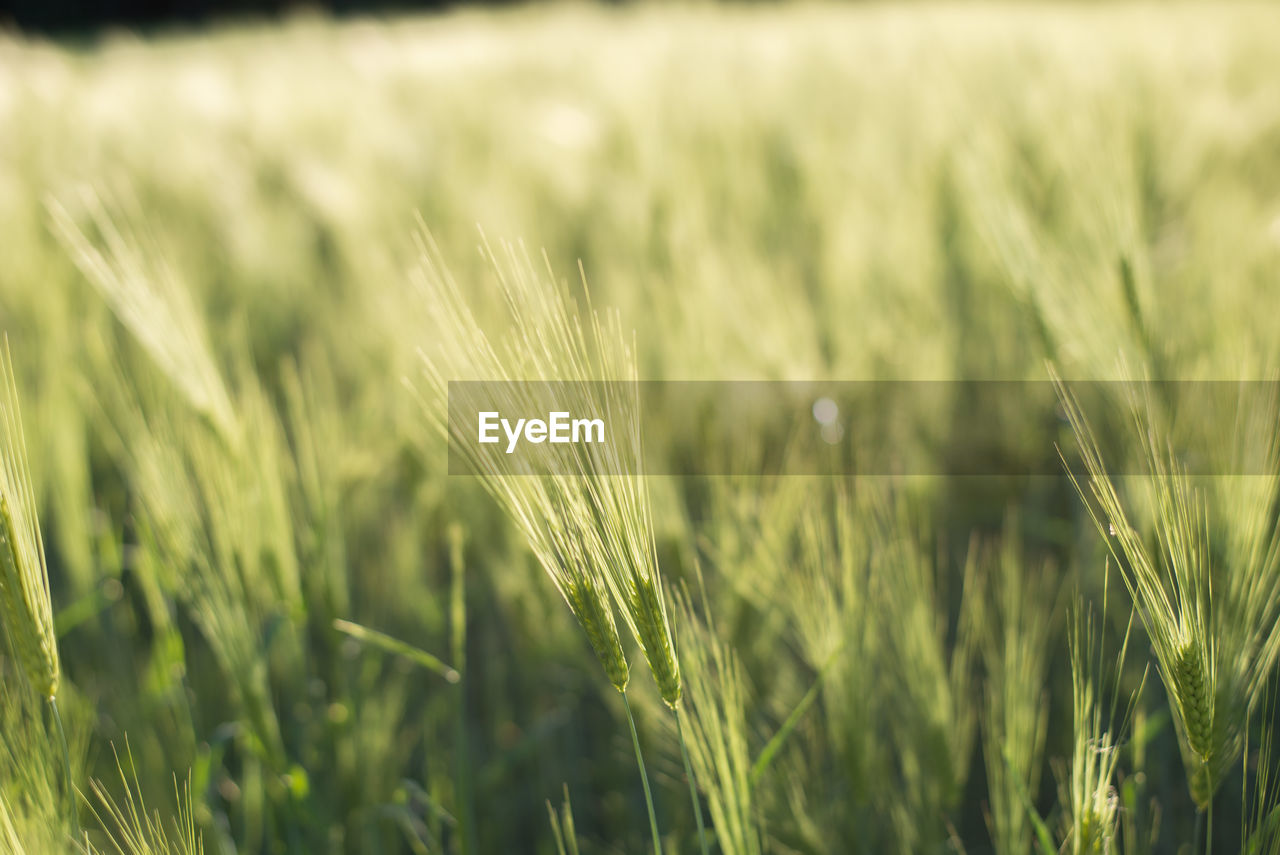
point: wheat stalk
(24, 577)
(1015, 651)
(24, 574)
(1214, 633)
(586, 516)
(8, 833)
(716, 722)
(146, 295)
(1087, 791)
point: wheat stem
(66, 767)
(644, 777)
(458, 619)
(693, 786)
(1208, 838)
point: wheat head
(24, 577)
(586, 516)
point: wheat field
(247, 608)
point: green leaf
(775, 744)
(1043, 836)
(388, 644)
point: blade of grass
(386, 643)
(1043, 836)
(776, 742)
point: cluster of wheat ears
(1214, 634)
(1215, 638)
(27, 615)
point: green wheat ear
(591, 608)
(587, 517)
(1191, 682)
(655, 637)
(24, 578)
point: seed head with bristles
(655, 637)
(24, 578)
(1215, 630)
(588, 604)
(1191, 682)
(1090, 801)
(583, 508)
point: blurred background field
(210, 233)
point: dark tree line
(84, 17)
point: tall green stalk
(458, 644)
(66, 768)
(1208, 837)
(693, 786)
(644, 778)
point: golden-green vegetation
(247, 609)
